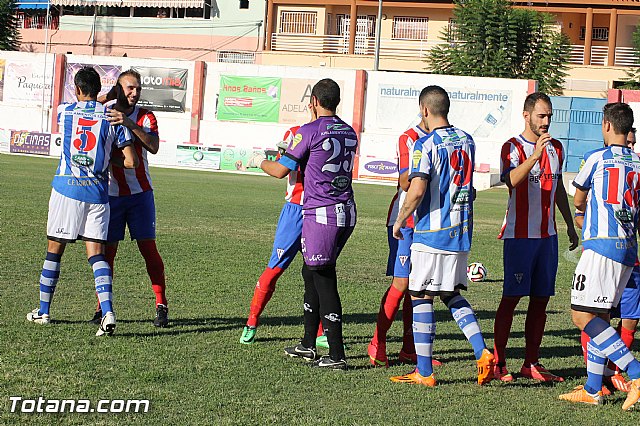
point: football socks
(102, 276)
(262, 293)
(424, 332)
(48, 280)
(608, 342)
(465, 317)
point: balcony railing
(624, 56)
(37, 22)
(339, 44)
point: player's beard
(536, 129)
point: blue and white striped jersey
(445, 157)
(87, 140)
(612, 177)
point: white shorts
(70, 220)
(598, 283)
(437, 273)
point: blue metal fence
(577, 124)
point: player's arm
(130, 160)
(403, 180)
(579, 218)
(562, 202)
(521, 173)
(150, 141)
(404, 166)
(580, 199)
(414, 196)
(274, 168)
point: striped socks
(49, 280)
(102, 276)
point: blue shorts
(530, 266)
(399, 261)
(286, 243)
(629, 306)
(137, 212)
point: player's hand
(397, 234)
(541, 145)
(116, 117)
(574, 240)
(256, 159)
(282, 147)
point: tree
(489, 38)
(632, 82)
(9, 32)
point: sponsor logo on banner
(204, 157)
(249, 99)
(27, 83)
(381, 167)
(163, 89)
(30, 143)
(108, 78)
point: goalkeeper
(286, 244)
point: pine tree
(632, 82)
(492, 39)
(9, 32)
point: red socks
(155, 269)
(502, 327)
(408, 345)
(627, 336)
(534, 328)
(388, 310)
(584, 339)
(262, 294)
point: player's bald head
(436, 99)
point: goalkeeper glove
(256, 159)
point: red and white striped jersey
(531, 211)
(403, 150)
(133, 181)
(295, 190)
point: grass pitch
(215, 232)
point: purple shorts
(322, 244)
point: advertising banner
(204, 157)
(236, 158)
(27, 83)
(252, 99)
(163, 89)
(2, 64)
(490, 109)
(295, 99)
(108, 77)
(24, 142)
(378, 160)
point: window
(292, 22)
(366, 25)
(244, 4)
(410, 28)
(597, 33)
(452, 29)
(236, 57)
